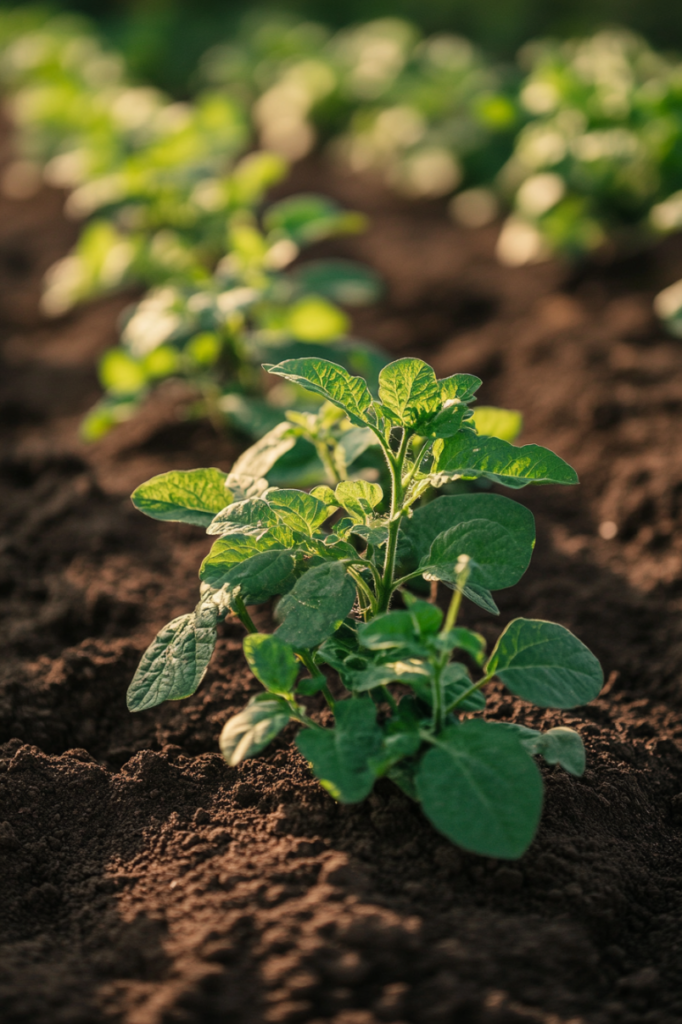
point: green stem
(363, 588)
(453, 611)
(325, 458)
(243, 615)
(307, 659)
(388, 696)
(395, 463)
(472, 689)
(437, 691)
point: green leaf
(482, 597)
(545, 663)
(308, 218)
(325, 494)
(340, 756)
(312, 318)
(388, 630)
(175, 662)
(263, 575)
(427, 618)
(461, 385)
(410, 671)
(466, 640)
(298, 510)
(272, 662)
(470, 456)
(374, 535)
(253, 729)
(316, 607)
(480, 789)
(259, 459)
(229, 552)
(331, 381)
(499, 553)
(252, 516)
(456, 680)
(359, 498)
(445, 423)
(512, 537)
(403, 775)
(183, 496)
(560, 746)
(503, 423)
(344, 281)
(408, 387)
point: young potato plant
(335, 580)
(213, 329)
(599, 158)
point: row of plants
(581, 141)
(171, 201)
(407, 683)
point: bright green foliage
(183, 496)
(249, 732)
(212, 321)
(272, 662)
(476, 779)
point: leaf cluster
(334, 558)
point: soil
(144, 881)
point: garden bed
(144, 880)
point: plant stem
(307, 659)
(395, 463)
(243, 615)
(472, 689)
(437, 691)
(453, 611)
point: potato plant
(336, 560)
(600, 157)
(213, 328)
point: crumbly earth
(143, 881)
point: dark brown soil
(144, 881)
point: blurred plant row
(579, 146)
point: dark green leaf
(317, 605)
(500, 552)
(253, 729)
(272, 661)
(410, 671)
(557, 746)
(545, 663)
(263, 575)
(175, 662)
(390, 629)
(466, 640)
(340, 756)
(480, 789)
(470, 456)
(427, 618)
(332, 382)
(183, 496)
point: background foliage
(163, 39)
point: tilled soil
(144, 881)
